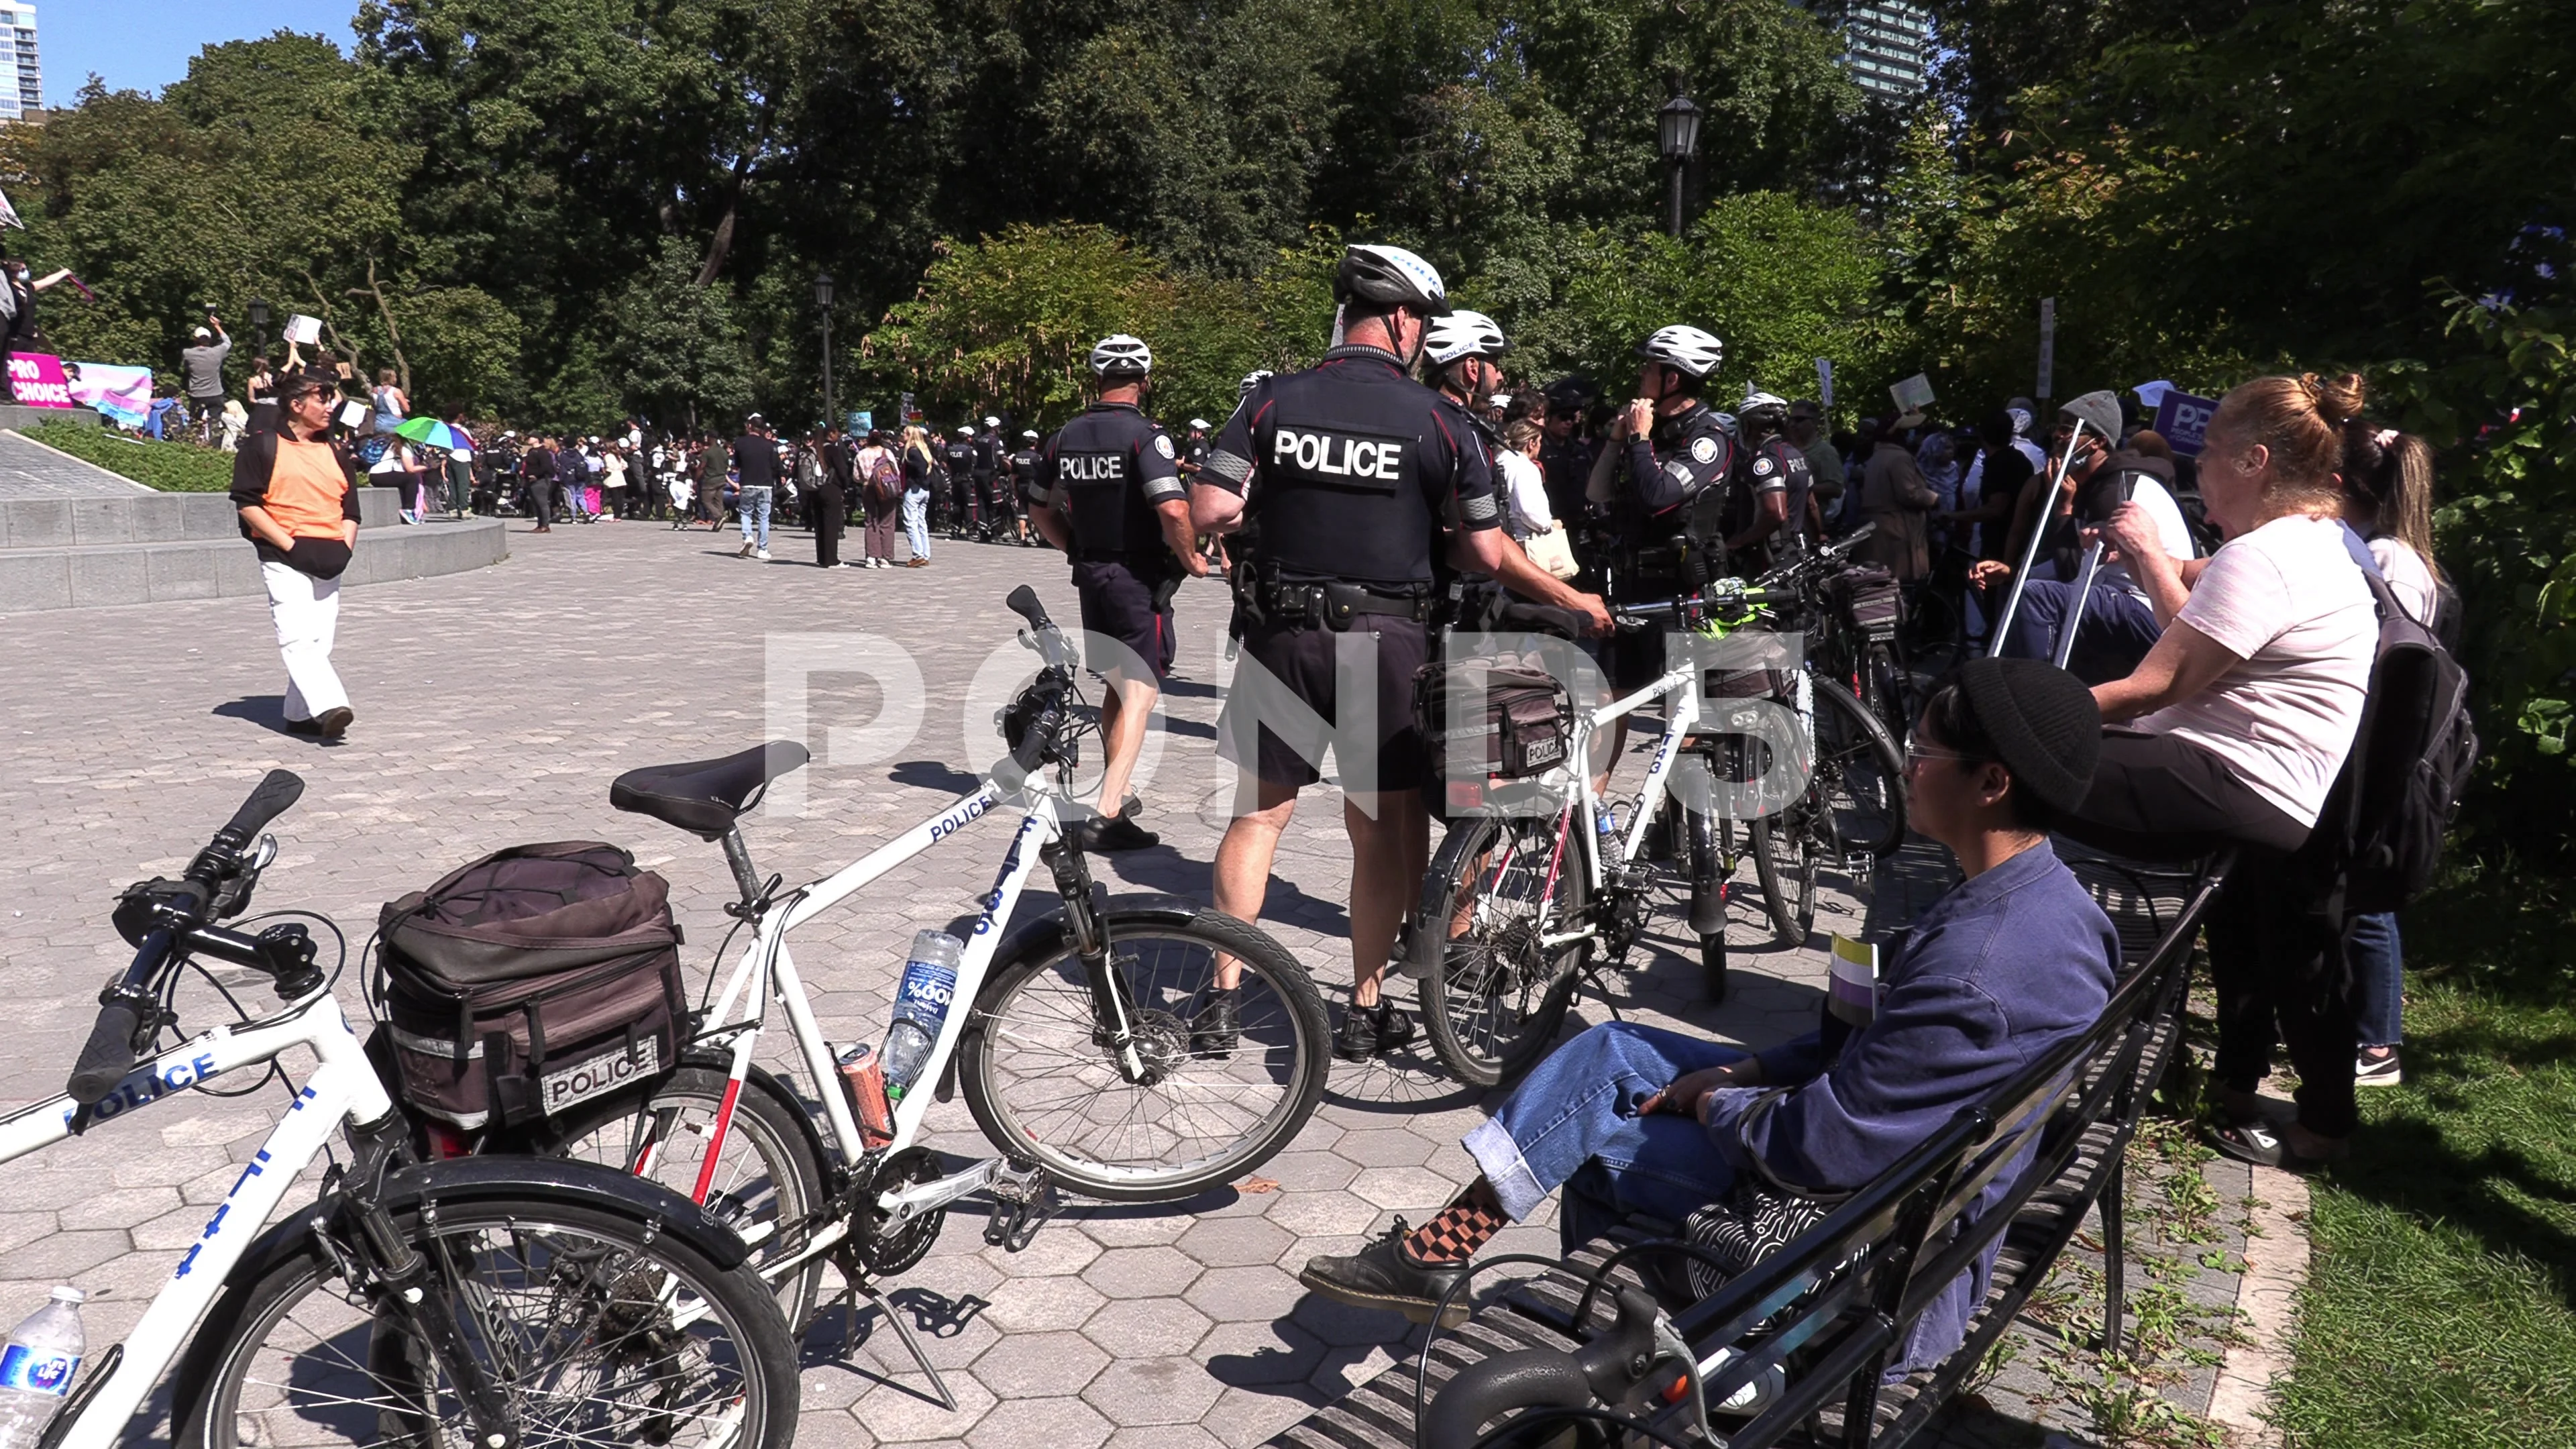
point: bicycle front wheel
(1495, 992)
(766, 1182)
(1857, 787)
(592, 1327)
(1217, 1096)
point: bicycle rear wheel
(767, 1180)
(1493, 992)
(1857, 780)
(1211, 1105)
(1784, 865)
(593, 1327)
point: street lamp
(823, 301)
(259, 325)
(1677, 135)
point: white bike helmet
(1687, 348)
(1031, 435)
(1462, 334)
(1121, 356)
(1251, 380)
(1763, 409)
(1390, 277)
(965, 430)
(992, 422)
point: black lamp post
(259, 324)
(1677, 136)
(823, 300)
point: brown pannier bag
(534, 979)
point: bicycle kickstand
(863, 1286)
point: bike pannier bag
(1522, 729)
(1872, 599)
(534, 979)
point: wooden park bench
(1600, 1345)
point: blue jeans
(1573, 1123)
(2118, 629)
(2378, 978)
(755, 506)
(916, 521)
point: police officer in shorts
(1775, 482)
(1115, 504)
(1025, 484)
(957, 457)
(1348, 469)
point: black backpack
(2381, 831)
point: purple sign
(2182, 420)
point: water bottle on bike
(36, 1368)
(920, 1005)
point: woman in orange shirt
(297, 492)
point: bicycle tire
(1285, 1018)
(1788, 901)
(750, 1398)
(1708, 890)
(1857, 777)
(767, 1207)
(1460, 982)
(1885, 687)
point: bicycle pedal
(1024, 1198)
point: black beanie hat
(2043, 722)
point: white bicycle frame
(342, 1088)
(766, 971)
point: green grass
(2441, 1303)
(170, 467)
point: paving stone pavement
(494, 707)
(29, 469)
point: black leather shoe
(335, 722)
(1119, 832)
(1385, 1274)
(1218, 1026)
(1367, 1032)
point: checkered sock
(1461, 1228)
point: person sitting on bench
(2004, 966)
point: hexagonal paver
(1144, 1327)
(1153, 1391)
(1041, 1424)
(1248, 1355)
(1052, 1252)
(1244, 1417)
(1249, 1294)
(1165, 1436)
(898, 1413)
(1134, 1225)
(1413, 1189)
(1235, 1242)
(1027, 1305)
(1303, 1171)
(1142, 1272)
(1384, 1147)
(1323, 1214)
(1040, 1365)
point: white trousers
(306, 611)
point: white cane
(2030, 554)
(2084, 581)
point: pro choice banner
(36, 380)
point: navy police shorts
(1119, 605)
(1303, 660)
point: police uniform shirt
(1680, 458)
(1105, 473)
(1024, 472)
(1777, 466)
(1349, 468)
(958, 457)
(988, 455)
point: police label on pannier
(606, 1072)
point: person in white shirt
(1527, 512)
(2233, 729)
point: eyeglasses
(1916, 753)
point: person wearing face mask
(296, 490)
(18, 302)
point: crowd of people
(1396, 488)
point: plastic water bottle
(920, 1005)
(1605, 823)
(36, 1368)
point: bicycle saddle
(705, 797)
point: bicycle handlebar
(1024, 602)
(272, 798)
(111, 1053)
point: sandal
(2262, 1144)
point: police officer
(1194, 448)
(957, 457)
(1024, 484)
(1115, 504)
(1461, 354)
(1349, 469)
(1663, 475)
(990, 455)
(1775, 482)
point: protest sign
(1914, 392)
(121, 394)
(2182, 420)
(1824, 383)
(36, 380)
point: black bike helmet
(1383, 277)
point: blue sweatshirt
(1989, 978)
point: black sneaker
(1119, 832)
(1218, 1026)
(1385, 1274)
(1367, 1032)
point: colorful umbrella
(431, 433)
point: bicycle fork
(1113, 1012)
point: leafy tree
(678, 355)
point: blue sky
(146, 44)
